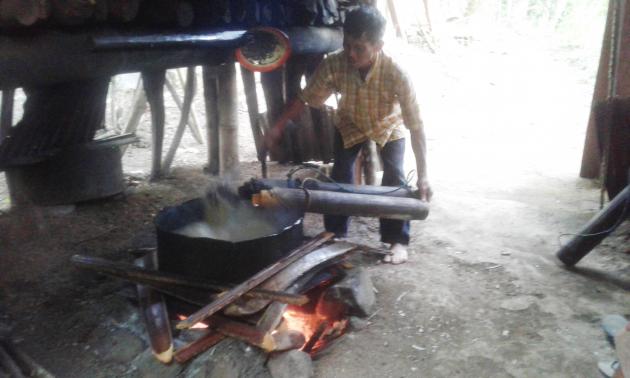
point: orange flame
(298, 319)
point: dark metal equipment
(598, 228)
(220, 260)
(76, 174)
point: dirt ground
(482, 295)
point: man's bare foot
(398, 256)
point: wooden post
(210, 93)
(189, 93)
(249, 85)
(228, 121)
(273, 89)
(154, 88)
(6, 113)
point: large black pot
(221, 260)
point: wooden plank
(256, 280)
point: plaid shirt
(373, 109)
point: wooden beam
(154, 88)
(228, 121)
(256, 280)
(210, 94)
(199, 346)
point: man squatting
(377, 98)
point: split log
(350, 204)
(198, 346)
(155, 314)
(286, 277)
(156, 278)
(189, 92)
(256, 280)
(268, 341)
(154, 88)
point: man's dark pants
(392, 154)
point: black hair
(366, 21)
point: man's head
(363, 33)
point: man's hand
(424, 190)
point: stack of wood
(262, 299)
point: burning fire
(320, 327)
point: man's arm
(419, 147)
(411, 117)
(318, 89)
(290, 113)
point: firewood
(159, 279)
(155, 314)
(256, 280)
(281, 281)
(243, 332)
(199, 346)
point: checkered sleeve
(320, 86)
